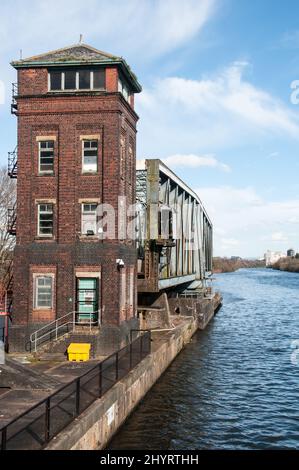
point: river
(236, 385)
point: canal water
(236, 385)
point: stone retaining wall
(97, 425)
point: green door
(87, 299)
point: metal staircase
(12, 220)
(13, 163)
(7, 289)
(14, 103)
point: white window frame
(77, 83)
(36, 278)
(123, 292)
(49, 84)
(40, 150)
(89, 203)
(89, 172)
(124, 90)
(44, 235)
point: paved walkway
(25, 385)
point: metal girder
(175, 234)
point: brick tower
(76, 151)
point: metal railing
(36, 427)
(12, 220)
(59, 328)
(13, 163)
(14, 103)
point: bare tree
(7, 201)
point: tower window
(84, 80)
(124, 89)
(70, 80)
(55, 81)
(90, 156)
(99, 79)
(46, 157)
(45, 220)
(89, 219)
(75, 80)
(43, 295)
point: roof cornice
(106, 60)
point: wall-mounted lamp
(120, 263)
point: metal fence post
(141, 346)
(47, 420)
(78, 397)
(3, 439)
(100, 380)
(116, 367)
(131, 355)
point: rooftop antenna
(21, 54)
(81, 39)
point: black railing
(4, 339)
(13, 163)
(36, 427)
(14, 104)
(12, 220)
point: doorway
(88, 300)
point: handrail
(52, 323)
(54, 326)
(15, 92)
(36, 337)
(15, 89)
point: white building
(272, 257)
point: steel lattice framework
(175, 234)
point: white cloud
(195, 161)
(213, 112)
(242, 215)
(229, 242)
(279, 237)
(149, 27)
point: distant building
(291, 253)
(271, 257)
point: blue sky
(216, 103)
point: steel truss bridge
(175, 234)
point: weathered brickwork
(67, 119)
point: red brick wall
(68, 118)
(112, 79)
(33, 81)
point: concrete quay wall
(97, 425)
